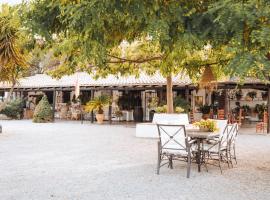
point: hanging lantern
(208, 79)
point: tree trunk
(4, 104)
(169, 94)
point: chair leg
(159, 159)
(204, 161)
(219, 163)
(234, 154)
(230, 156)
(171, 162)
(188, 166)
(227, 159)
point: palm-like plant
(98, 104)
(10, 38)
(12, 61)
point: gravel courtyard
(73, 161)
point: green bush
(43, 111)
(14, 109)
(180, 102)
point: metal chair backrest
(172, 137)
(221, 125)
(233, 133)
(224, 137)
(164, 118)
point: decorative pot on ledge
(100, 118)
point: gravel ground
(73, 161)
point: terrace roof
(85, 79)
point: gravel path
(73, 161)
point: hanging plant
(264, 95)
(208, 79)
(238, 94)
(252, 95)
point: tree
(90, 36)
(12, 59)
(242, 27)
(43, 112)
(160, 35)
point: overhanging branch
(116, 59)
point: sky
(11, 2)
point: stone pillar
(54, 101)
(92, 113)
(110, 107)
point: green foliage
(179, 109)
(160, 35)
(43, 111)
(161, 109)
(180, 102)
(246, 109)
(252, 94)
(12, 59)
(260, 109)
(14, 109)
(153, 103)
(98, 104)
(205, 109)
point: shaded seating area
(192, 145)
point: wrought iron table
(200, 136)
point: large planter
(100, 118)
(151, 115)
(138, 114)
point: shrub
(178, 109)
(14, 109)
(180, 102)
(43, 111)
(161, 109)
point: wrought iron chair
(173, 144)
(232, 140)
(218, 149)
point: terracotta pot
(100, 118)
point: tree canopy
(124, 37)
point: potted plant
(118, 114)
(161, 109)
(180, 102)
(246, 109)
(153, 104)
(259, 109)
(97, 105)
(179, 109)
(207, 125)
(252, 94)
(264, 95)
(205, 110)
(238, 94)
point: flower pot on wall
(100, 118)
